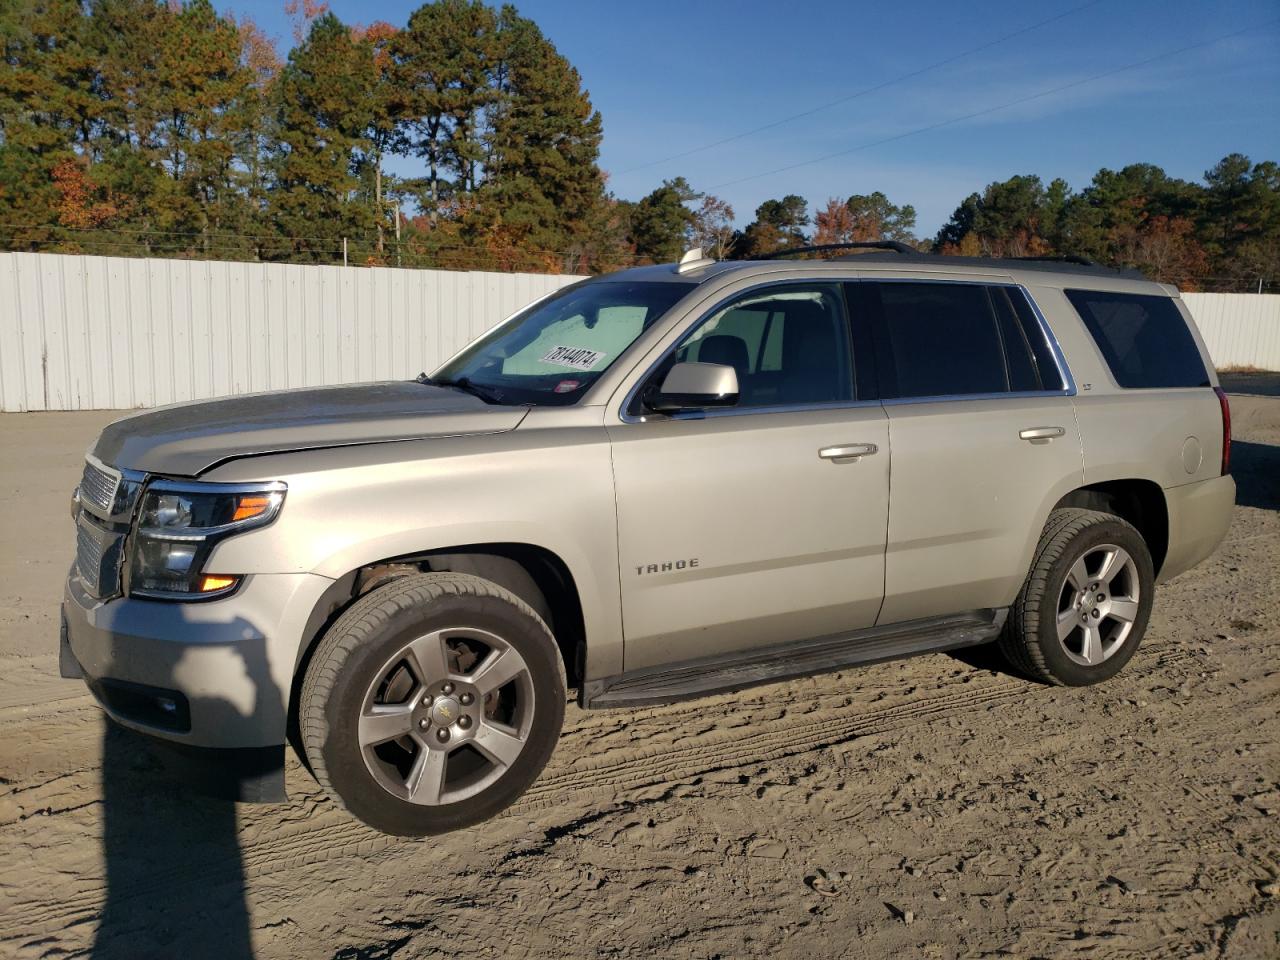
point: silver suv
(647, 486)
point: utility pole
(398, 263)
(377, 190)
(344, 251)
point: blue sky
(670, 77)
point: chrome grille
(98, 487)
(89, 558)
(98, 553)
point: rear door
(982, 433)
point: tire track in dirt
(331, 835)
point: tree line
(143, 127)
(1219, 234)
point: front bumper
(198, 675)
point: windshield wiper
(465, 384)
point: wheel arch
(535, 574)
(1137, 501)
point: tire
(1060, 628)
(421, 653)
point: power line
(998, 107)
(862, 93)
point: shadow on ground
(175, 882)
(174, 869)
(1260, 384)
(1256, 467)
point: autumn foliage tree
(222, 150)
(778, 224)
(1206, 235)
(864, 217)
(463, 137)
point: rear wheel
(1085, 604)
(432, 703)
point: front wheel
(1085, 604)
(432, 703)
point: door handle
(1040, 434)
(847, 453)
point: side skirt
(749, 668)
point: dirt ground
(936, 807)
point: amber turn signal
(250, 506)
(210, 584)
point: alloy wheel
(1098, 604)
(446, 716)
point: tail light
(1226, 429)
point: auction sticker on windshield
(579, 358)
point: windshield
(552, 352)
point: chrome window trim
(958, 397)
(1059, 359)
(748, 411)
(1055, 348)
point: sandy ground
(936, 807)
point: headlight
(180, 523)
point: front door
(746, 527)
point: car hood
(186, 439)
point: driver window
(788, 345)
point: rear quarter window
(1143, 339)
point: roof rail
(1065, 258)
(893, 245)
(887, 251)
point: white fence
(1240, 329)
(82, 333)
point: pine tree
(48, 110)
(375, 43)
(443, 64)
(541, 174)
(661, 222)
(323, 102)
(778, 224)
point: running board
(737, 671)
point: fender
(347, 509)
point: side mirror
(696, 386)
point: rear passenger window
(935, 339)
(1144, 339)
(946, 339)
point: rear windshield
(1144, 339)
